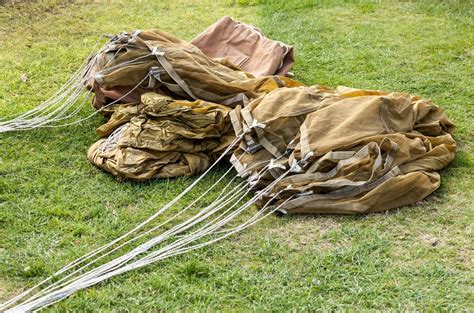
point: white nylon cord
(73, 77)
(165, 252)
(219, 198)
(138, 227)
(66, 96)
(167, 235)
(154, 228)
(63, 104)
(162, 253)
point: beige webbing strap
(155, 75)
(251, 122)
(362, 153)
(247, 116)
(269, 146)
(239, 167)
(207, 95)
(235, 122)
(252, 146)
(342, 193)
(331, 156)
(338, 182)
(159, 54)
(151, 82)
(238, 98)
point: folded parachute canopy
(363, 151)
(161, 137)
(152, 60)
(360, 150)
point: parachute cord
(167, 251)
(79, 72)
(129, 241)
(56, 108)
(102, 108)
(219, 198)
(49, 111)
(135, 229)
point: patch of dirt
(430, 240)
(7, 292)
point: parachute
(174, 111)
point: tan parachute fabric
(364, 151)
(245, 46)
(153, 60)
(161, 137)
(357, 150)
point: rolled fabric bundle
(161, 137)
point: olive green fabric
(161, 137)
(359, 151)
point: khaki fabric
(160, 137)
(153, 60)
(143, 164)
(245, 46)
(363, 151)
(347, 150)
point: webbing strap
(343, 193)
(239, 167)
(325, 179)
(159, 54)
(235, 122)
(238, 98)
(252, 123)
(332, 156)
(362, 153)
(252, 146)
(247, 116)
(240, 129)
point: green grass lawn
(55, 206)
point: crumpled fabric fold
(160, 137)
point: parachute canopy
(357, 150)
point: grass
(55, 206)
